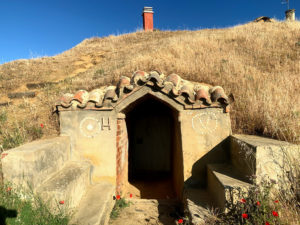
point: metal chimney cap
(148, 9)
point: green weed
(15, 210)
(267, 201)
(35, 132)
(99, 73)
(119, 205)
(256, 206)
(3, 116)
(13, 139)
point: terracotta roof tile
(81, 96)
(218, 95)
(202, 94)
(174, 79)
(190, 94)
(124, 81)
(96, 95)
(187, 90)
(111, 93)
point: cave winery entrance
(154, 159)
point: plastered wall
(93, 138)
(97, 136)
(202, 131)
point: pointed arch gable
(143, 92)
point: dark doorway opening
(152, 132)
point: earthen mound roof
(190, 94)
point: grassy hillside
(258, 62)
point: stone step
(197, 202)
(28, 94)
(5, 103)
(39, 85)
(224, 183)
(68, 185)
(28, 165)
(99, 202)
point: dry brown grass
(258, 62)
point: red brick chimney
(148, 18)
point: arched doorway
(155, 158)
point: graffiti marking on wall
(105, 125)
(204, 123)
(91, 127)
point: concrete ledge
(257, 141)
(99, 202)
(68, 185)
(30, 164)
(263, 157)
(224, 184)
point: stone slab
(30, 164)
(5, 103)
(263, 157)
(99, 202)
(223, 184)
(29, 94)
(68, 185)
(39, 85)
(257, 141)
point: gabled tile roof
(189, 94)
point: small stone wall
(30, 164)
(263, 157)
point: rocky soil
(149, 212)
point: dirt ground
(149, 212)
(159, 188)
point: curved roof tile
(187, 93)
(202, 94)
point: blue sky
(33, 28)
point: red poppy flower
(275, 213)
(3, 155)
(243, 200)
(276, 201)
(245, 216)
(130, 195)
(8, 189)
(258, 203)
(62, 202)
(267, 223)
(118, 197)
(180, 221)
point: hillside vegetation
(258, 62)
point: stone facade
(98, 127)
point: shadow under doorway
(152, 133)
